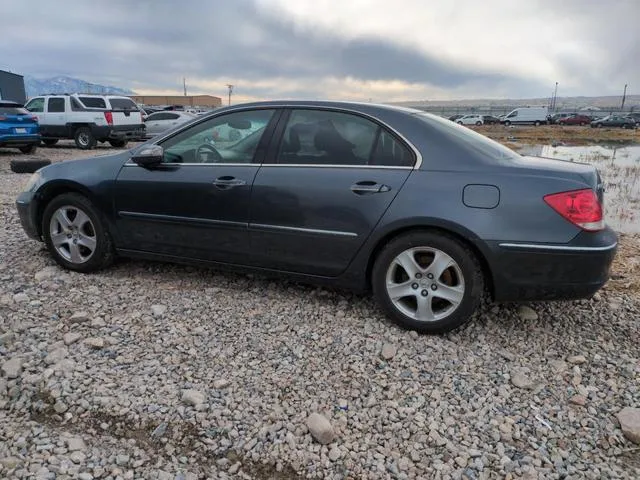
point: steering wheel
(211, 154)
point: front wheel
(582, 124)
(29, 149)
(426, 281)
(478, 123)
(75, 234)
(536, 123)
(507, 123)
(598, 125)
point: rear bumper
(578, 269)
(19, 140)
(120, 132)
(27, 208)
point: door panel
(178, 210)
(309, 219)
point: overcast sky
(384, 50)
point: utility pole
(230, 87)
(184, 85)
(624, 97)
(555, 96)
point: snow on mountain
(63, 84)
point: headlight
(33, 182)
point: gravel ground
(151, 370)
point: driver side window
(230, 138)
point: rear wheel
(562, 123)
(84, 138)
(75, 234)
(478, 123)
(427, 281)
(49, 142)
(582, 124)
(598, 125)
(29, 149)
(536, 123)
(118, 143)
(507, 123)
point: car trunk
(17, 121)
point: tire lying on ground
(28, 166)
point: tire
(28, 166)
(507, 123)
(84, 138)
(459, 123)
(28, 149)
(478, 123)
(598, 125)
(536, 123)
(464, 277)
(85, 259)
(50, 142)
(118, 143)
(562, 124)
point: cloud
(356, 49)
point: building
(12, 87)
(184, 100)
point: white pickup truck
(87, 119)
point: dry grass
(625, 272)
(554, 133)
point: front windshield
(469, 138)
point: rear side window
(93, 102)
(55, 105)
(75, 105)
(390, 152)
(122, 104)
(158, 116)
(10, 110)
(35, 105)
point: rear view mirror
(240, 124)
(149, 156)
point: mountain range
(63, 84)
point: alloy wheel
(73, 235)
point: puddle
(619, 168)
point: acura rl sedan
(427, 214)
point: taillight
(34, 118)
(580, 207)
(2, 117)
(108, 116)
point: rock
(7, 338)
(220, 383)
(160, 430)
(389, 350)
(85, 476)
(158, 310)
(60, 407)
(77, 457)
(334, 454)
(56, 355)
(578, 400)
(527, 313)
(473, 453)
(193, 397)
(320, 428)
(558, 366)
(521, 380)
(98, 323)
(12, 368)
(79, 317)
(20, 298)
(629, 419)
(577, 359)
(75, 444)
(122, 460)
(10, 463)
(71, 337)
(404, 464)
(45, 273)
(94, 342)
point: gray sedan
(427, 214)
(161, 122)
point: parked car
(471, 119)
(18, 128)
(160, 122)
(490, 119)
(556, 117)
(635, 116)
(613, 121)
(526, 115)
(575, 119)
(428, 215)
(87, 119)
(453, 118)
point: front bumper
(27, 210)
(525, 271)
(120, 132)
(19, 140)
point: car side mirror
(149, 156)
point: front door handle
(369, 187)
(227, 182)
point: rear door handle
(369, 187)
(228, 182)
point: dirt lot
(151, 370)
(548, 134)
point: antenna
(230, 87)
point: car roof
(356, 106)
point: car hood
(103, 166)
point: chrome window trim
(307, 165)
(417, 165)
(565, 248)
